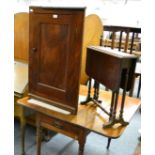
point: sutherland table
(88, 119)
(115, 70)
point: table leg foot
(122, 122)
(115, 121)
(86, 101)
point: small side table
(115, 70)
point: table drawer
(60, 126)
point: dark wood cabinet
(115, 70)
(55, 55)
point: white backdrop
(112, 12)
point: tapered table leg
(22, 128)
(82, 141)
(81, 147)
(108, 144)
(38, 137)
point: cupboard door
(55, 56)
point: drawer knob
(55, 16)
(34, 50)
(57, 125)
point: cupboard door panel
(53, 62)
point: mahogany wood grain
(110, 69)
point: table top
(113, 52)
(20, 76)
(89, 116)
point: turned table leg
(82, 141)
